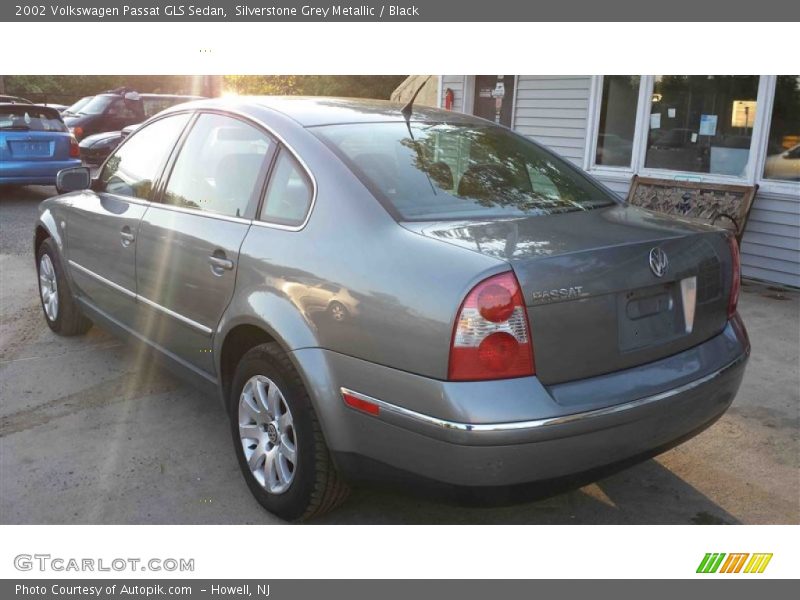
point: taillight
(77, 132)
(491, 339)
(736, 275)
(74, 149)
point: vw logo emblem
(659, 263)
(272, 434)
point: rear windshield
(26, 117)
(432, 171)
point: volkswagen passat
(416, 290)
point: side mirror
(73, 180)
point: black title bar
(420, 11)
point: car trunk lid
(594, 303)
(20, 145)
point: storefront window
(617, 120)
(702, 123)
(783, 147)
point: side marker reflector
(361, 405)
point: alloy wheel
(48, 287)
(267, 433)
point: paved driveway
(92, 433)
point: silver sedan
(377, 290)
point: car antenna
(407, 110)
(409, 107)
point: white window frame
(757, 152)
(771, 186)
(620, 173)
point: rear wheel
(278, 439)
(62, 313)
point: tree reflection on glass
(442, 170)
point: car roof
(188, 97)
(5, 99)
(312, 111)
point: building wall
(455, 83)
(554, 111)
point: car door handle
(218, 262)
(127, 237)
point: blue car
(35, 144)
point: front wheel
(61, 311)
(278, 439)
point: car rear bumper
(33, 172)
(548, 446)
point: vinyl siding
(553, 110)
(455, 83)
(771, 243)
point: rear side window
(427, 171)
(218, 166)
(131, 170)
(120, 108)
(24, 117)
(288, 196)
(154, 105)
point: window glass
(120, 108)
(218, 166)
(617, 120)
(97, 105)
(75, 108)
(783, 148)
(25, 117)
(702, 123)
(153, 105)
(289, 193)
(453, 171)
(131, 170)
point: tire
(61, 311)
(298, 485)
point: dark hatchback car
(369, 288)
(116, 109)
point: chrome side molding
(537, 424)
(139, 298)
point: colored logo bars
(734, 563)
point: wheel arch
(234, 344)
(47, 227)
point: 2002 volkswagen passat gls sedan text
(419, 290)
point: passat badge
(659, 263)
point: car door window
(120, 109)
(288, 196)
(133, 168)
(218, 166)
